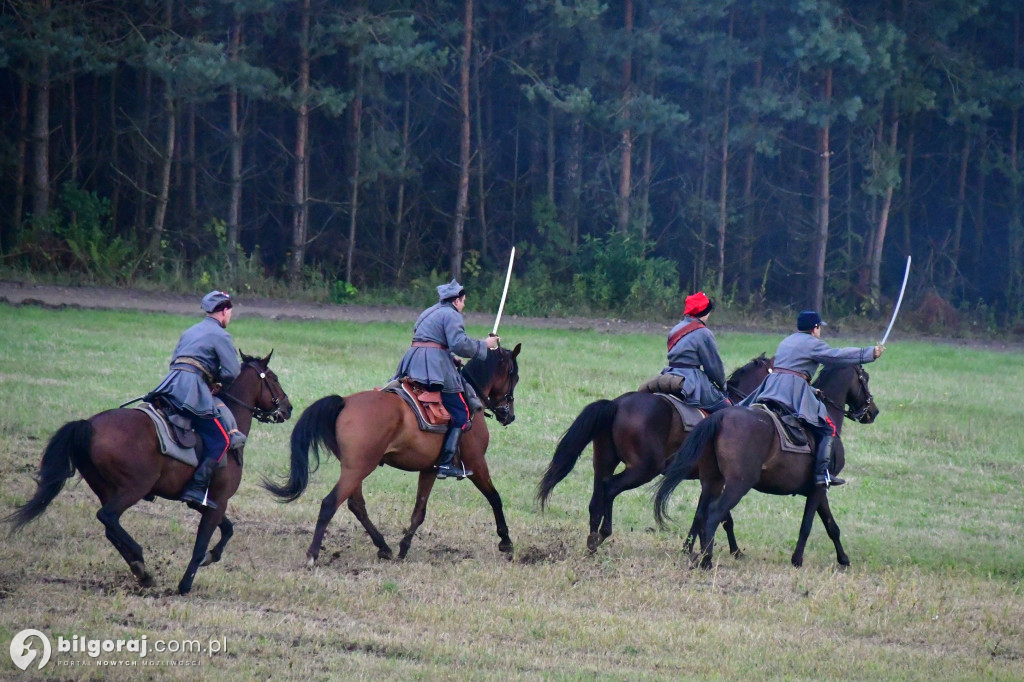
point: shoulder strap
(693, 326)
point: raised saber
(899, 301)
(504, 292)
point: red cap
(697, 305)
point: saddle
(174, 431)
(426, 405)
(792, 436)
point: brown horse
(640, 430)
(118, 454)
(737, 449)
(372, 428)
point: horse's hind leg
(227, 529)
(734, 548)
(357, 505)
(482, 480)
(419, 511)
(110, 516)
(628, 479)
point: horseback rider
(440, 332)
(204, 357)
(693, 355)
(796, 360)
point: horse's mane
(829, 374)
(479, 372)
(761, 360)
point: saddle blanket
(168, 445)
(786, 442)
(690, 415)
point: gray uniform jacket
(695, 350)
(802, 352)
(443, 324)
(184, 386)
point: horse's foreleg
(832, 528)
(718, 510)
(227, 529)
(357, 505)
(110, 516)
(419, 511)
(482, 480)
(328, 508)
(208, 522)
(814, 501)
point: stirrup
(195, 499)
(451, 471)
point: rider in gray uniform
(439, 332)
(205, 355)
(693, 355)
(796, 360)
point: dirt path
(112, 298)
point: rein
(850, 413)
(258, 413)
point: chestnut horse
(372, 428)
(738, 449)
(640, 430)
(118, 454)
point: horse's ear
(515, 351)
(266, 360)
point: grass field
(931, 518)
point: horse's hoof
(184, 588)
(797, 561)
(310, 562)
(738, 554)
(208, 559)
(386, 554)
(144, 577)
(505, 546)
(593, 542)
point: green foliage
(343, 292)
(77, 237)
(614, 272)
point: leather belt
(428, 344)
(192, 362)
(681, 365)
(783, 370)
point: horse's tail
(66, 450)
(683, 462)
(596, 418)
(314, 429)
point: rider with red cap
(693, 355)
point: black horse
(640, 430)
(737, 449)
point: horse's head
(748, 377)
(258, 390)
(848, 387)
(495, 382)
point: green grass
(930, 518)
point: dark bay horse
(641, 431)
(118, 454)
(737, 449)
(372, 428)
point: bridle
(272, 416)
(861, 412)
(502, 407)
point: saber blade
(504, 292)
(899, 301)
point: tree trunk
(626, 159)
(883, 217)
(235, 140)
(953, 248)
(357, 156)
(908, 194)
(20, 170)
(396, 246)
(1015, 274)
(746, 241)
(300, 209)
(481, 179)
(648, 178)
(723, 187)
(41, 138)
(75, 162)
(574, 180)
(816, 294)
(462, 199)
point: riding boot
(823, 455)
(198, 488)
(445, 468)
